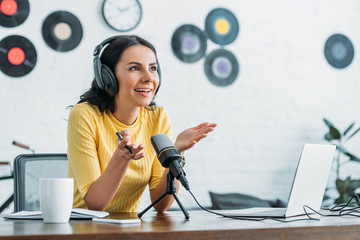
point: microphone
(169, 157)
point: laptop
(308, 185)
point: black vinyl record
(17, 56)
(221, 26)
(221, 67)
(189, 43)
(13, 12)
(339, 51)
(62, 31)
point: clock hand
(122, 9)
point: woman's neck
(126, 115)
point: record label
(17, 56)
(221, 67)
(188, 43)
(8, 7)
(13, 12)
(339, 51)
(62, 31)
(221, 26)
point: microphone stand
(170, 190)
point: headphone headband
(99, 47)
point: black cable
(337, 208)
(341, 206)
(224, 215)
(345, 210)
(318, 213)
(341, 209)
(249, 218)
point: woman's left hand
(188, 138)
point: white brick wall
(285, 88)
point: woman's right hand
(124, 152)
(102, 191)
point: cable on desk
(224, 215)
(250, 218)
(342, 206)
(341, 209)
(351, 211)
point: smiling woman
(107, 175)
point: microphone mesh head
(161, 141)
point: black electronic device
(169, 157)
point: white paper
(76, 213)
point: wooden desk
(173, 226)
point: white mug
(56, 199)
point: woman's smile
(146, 92)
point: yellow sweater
(92, 142)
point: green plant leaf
(352, 186)
(328, 137)
(335, 133)
(343, 198)
(356, 131)
(328, 123)
(341, 185)
(349, 128)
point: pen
(121, 138)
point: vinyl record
(221, 67)
(339, 51)
(189, 43)
(221, 26)
(13, 12)
(17, 56)
(62, 31)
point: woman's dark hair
(111, 56)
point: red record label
(8, 7)
(16, 56)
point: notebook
(308, 185)
(76, 213)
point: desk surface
(172, 225)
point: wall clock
(122, 15)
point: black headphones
(104, 75)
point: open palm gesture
(189, 137)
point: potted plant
(345, 187)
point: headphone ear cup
(159, 73)
(109, 80)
